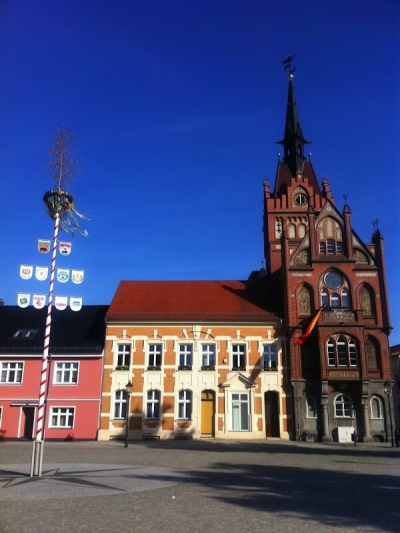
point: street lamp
(128, 389)
(388, 389)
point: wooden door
(207, 412)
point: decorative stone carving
(365, 301)
(304, 301)
(303, 257)
(360, 257)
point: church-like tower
(338, 375)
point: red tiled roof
(218, 300)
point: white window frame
(64, 371)
(70, 411)
(123, 353)
(185, 407)
(153, 400)
(206, 352)
(380, 408)
(267, 350)
(152, 353)
(184, 351)
(120, 401)
(238, 350)
(240, 402)
(6, 366)
(346, 400)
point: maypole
(60, 208)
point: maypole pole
(37, 454)
(60, 208)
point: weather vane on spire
(289, 66)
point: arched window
(341, 351)
(311, 407)
(120, 402)
(291, 231)
(343, 406)
(329, 235)
(301, 230)
(335, 293)
(304, 301)
(372, 355)
(153, 404)
(366, 301)
(185, 404)
(376, 407)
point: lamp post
(128, 389)
(388, 389)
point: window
(153, 404)
(270, 360)
(123, 356)
(120, 401)
(343, 406)
(185, 405)
(66, 373)
(240, 412)
(25, 333)
(311, 405)
(208, 356)
(185, 357)
(62, 417)
(376, 408)
(238, 357)
(335, 294)
(342, 351)
(155, 351)
(11, 372)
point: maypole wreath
(61, 203)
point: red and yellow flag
(301, 340)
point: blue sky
(177, 106)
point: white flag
(77, 276)
(41, 273)
(75, 304)
(39, 301)
(62, 275)
(24, 300)
(26, 271)
(61, 302)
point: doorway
(207, 413)
(272, 414)
(29, 414)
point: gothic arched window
(341, 351)
(329, 235)
(334, 292)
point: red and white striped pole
(37, 454)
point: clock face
(333, 280)
(300, 199)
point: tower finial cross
(289, 66)
(375, 224)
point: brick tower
(339, 374)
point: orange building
(206, 358)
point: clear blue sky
(177, 106)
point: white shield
(62, 275)
(77, 276)
(43, 246)
(41, 273)
(39, 301)
(75, 304)
(65, 248)
(61, 302)
(24, 300)
(26, 271)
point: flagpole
(37, 451)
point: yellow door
(207, 413)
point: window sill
(209, 367)
(185, 367)
(154, 368)
(236, 368)
(122, 367)
(272, 369)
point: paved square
(196, 486)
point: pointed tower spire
(293, 140)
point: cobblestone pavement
(200, 486)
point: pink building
(74, 377)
